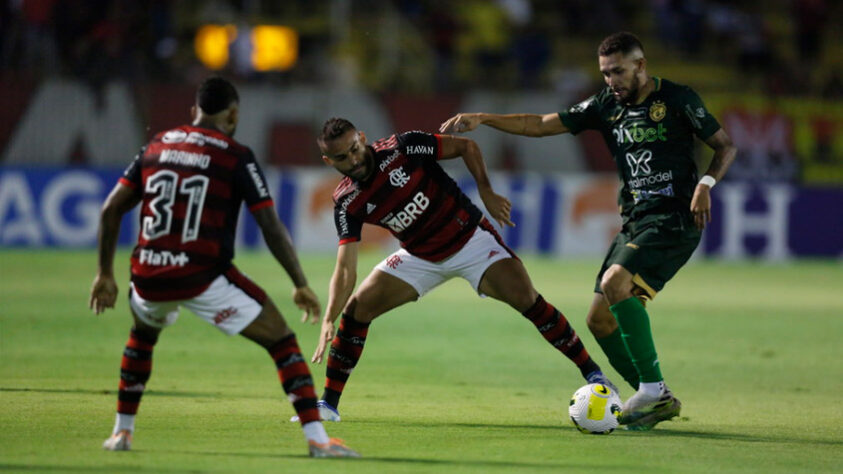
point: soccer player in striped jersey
(190, 182)
(397, 183)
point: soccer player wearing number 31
(191, 182)
(649, 125)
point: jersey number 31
(165, 185)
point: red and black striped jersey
(191, 182)
(409, 194)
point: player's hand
(308, 302)
(701, 206)
(103, 293)
(460, 123)
(498, 206)
(326, 336)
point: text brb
(404, 218)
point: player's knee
(147, 332)
(366, 313)
(606, 285)
(600, 325)
(522, 297)
(613, 283)
(268, 327)
(358, 310)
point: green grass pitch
(451, 383)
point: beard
(629, 94)
(363, 170)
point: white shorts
(483, 249)
(225, 303)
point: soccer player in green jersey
(649, 124)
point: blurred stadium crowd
(776, 63)
(781, 47)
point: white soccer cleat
(120, 441)
(326, 412)
(335, 448)
(642, 413)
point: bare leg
(268, 328)
(507, 280)
(271, 332)
(379, 293)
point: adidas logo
(370, 207)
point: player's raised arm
(342, 284)
(498, 206)
(724, 155)
(281, 245)
(531, 125)
(104, 289)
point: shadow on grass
(788, 438)
(785, 438)
(459, 424)
(109, 468)
(160, 393)
(385, 461)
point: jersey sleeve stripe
(261, 205)
(438, 146)
(349, 240)
(126, 182)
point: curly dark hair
(215, 94)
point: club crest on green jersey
(658, 111)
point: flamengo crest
(398, 177)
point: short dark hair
(622, 41)
(335, 127)
(215, 94)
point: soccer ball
(595, 409)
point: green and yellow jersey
(652, 144)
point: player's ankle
(651, 389)
(124, 421)
(315, 431)
(331, 397)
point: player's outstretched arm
(281, 245)
(342, 284)
(498, 206)
(724, 155)
(104, 289)
(531, 125)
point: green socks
(634, 326)
(615, 349)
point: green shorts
(653, 249)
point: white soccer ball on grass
(595, 408)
